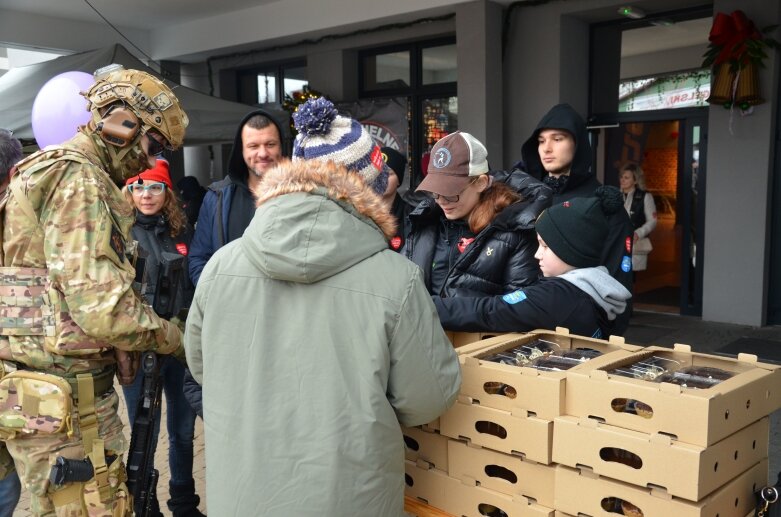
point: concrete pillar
(739, 172)
(197, 161)
(545, 63)
(479, 53)
(333, 73)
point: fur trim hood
(315, 219)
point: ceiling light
(631, 12)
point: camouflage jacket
(74, 224)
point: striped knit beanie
(323, 134)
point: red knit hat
(157, 173)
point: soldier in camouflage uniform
(10, 488)
(66, 299)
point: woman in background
(641, 208)
(162, 232)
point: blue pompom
(314, 117)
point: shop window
(387, 71)
(439, 65)
(271, 84)
(425, 73)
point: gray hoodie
(606, 291)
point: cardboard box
(427, 446)
(417, 508)
(696, 416)
(584, 493)
(688, 471)
(460, 339)
(520, 434)
(476, 501)
(425, 483)
(513, 388)
(501, 472)
(450, 495)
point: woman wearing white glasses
(163, 233)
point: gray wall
(644, 65)
(737, 213)
(478, 35)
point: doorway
(668, 146)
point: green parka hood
(314, 220)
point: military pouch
(34, 403)
(24, 310)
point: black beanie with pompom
(576, 230)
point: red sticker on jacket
(181, 248)
(464, 242)
(396, 242)
(628, 244)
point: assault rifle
(141, 474)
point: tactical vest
(637, 209)
(26, 304)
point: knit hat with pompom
(323, 134)
(576, 230)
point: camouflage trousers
(35, 454)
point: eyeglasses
(157, 144)
(453, 199)
(155, 189)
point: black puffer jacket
(153, 235)
(501, 257)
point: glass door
(692, 214)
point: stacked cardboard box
(590, 441)
(632, 445)
(500, 431)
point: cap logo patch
(441, 158)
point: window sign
(671, 91)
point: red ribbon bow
(730, 33)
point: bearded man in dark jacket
(229, 205)
(559, 154)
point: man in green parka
(313, 340)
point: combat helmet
(147, 97)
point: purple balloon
(59, 110)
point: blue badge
(626, 264)
(513, 298)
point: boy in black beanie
(576, 292)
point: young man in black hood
(559, 154)
(229, 205)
